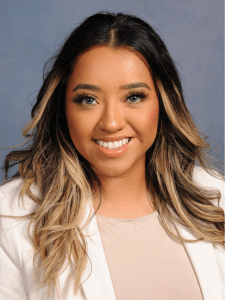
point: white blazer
(17, 279)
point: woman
(113, 204)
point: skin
(112, 114)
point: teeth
(120, 144)
(113, 145)
(110, 145)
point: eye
(88, 100)
(84, 100)
(137, 97)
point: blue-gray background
(30, 31)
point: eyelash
(140, 94)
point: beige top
(145, 262)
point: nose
(112, 117)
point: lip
(114, 152)
(112, 139)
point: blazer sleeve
(12, 279)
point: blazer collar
(99, 284)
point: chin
(113, 170)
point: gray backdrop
(31, 31)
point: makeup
(80, 99)
(120, 108)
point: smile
(111, 152)
(113, 145)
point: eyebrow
(122, 87)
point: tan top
(145, 262)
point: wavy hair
(65, 179)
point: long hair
(65, 179)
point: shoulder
(210, 182)
(16, 249)
(14, 240)
(204, 179)
(11, 202)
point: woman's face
(111, 96)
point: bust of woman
(110, 128)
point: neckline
(128, 220)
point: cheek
(80, 129)
(153, 117)
(75, 126)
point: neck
(125, 195)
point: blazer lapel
(98, 284)
(202, 256)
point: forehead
(103, 62)
(99, 50)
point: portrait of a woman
(108, 202)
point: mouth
(113, 145)
(111, 152)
